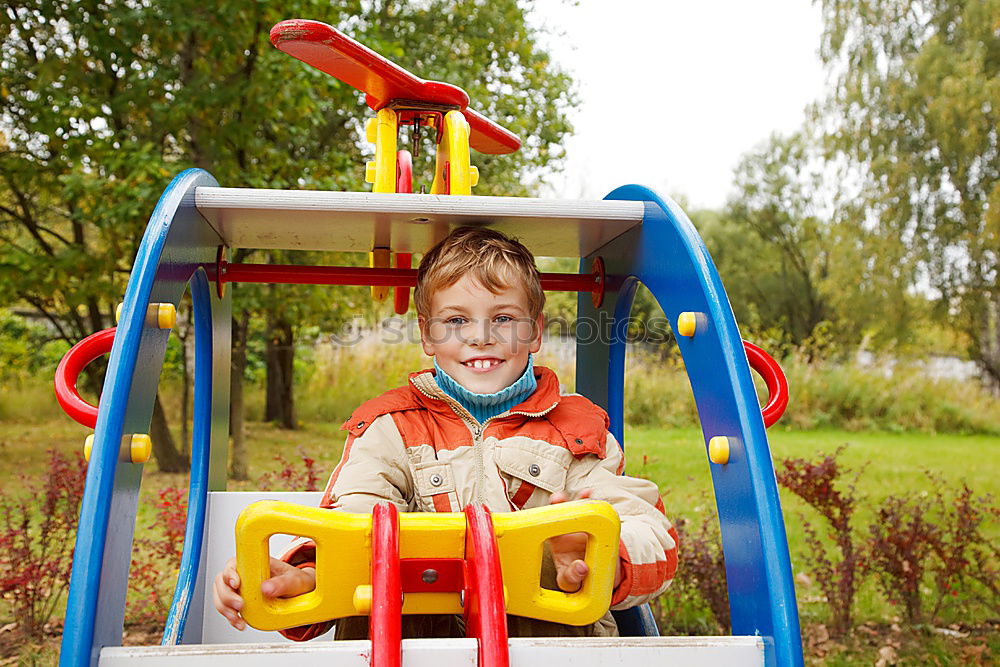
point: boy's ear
(424, 337)
(536, 342)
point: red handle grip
(774, 378)
(68, 372)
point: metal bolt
(461, 598)
(534, 470)
(437, 480)
(429, 576)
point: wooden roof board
(360, 221)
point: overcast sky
(707, 80)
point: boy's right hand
(286, 581)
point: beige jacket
(418, 448)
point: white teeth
(483, 363)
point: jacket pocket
(435, 486)
(526, 465)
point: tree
(916, 110)
(102, 102)
(777, 205)
(99, 111)
(799, 269)
(508, 78)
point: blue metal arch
(172, 249)
(198, 486)
(666, 254)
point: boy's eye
(503, 319)
(455, 320)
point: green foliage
(824, 395)
(776, 207)
(794, 271)
(845, 395)
(915, 112)
(26, 350)
(99, 108)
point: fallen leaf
(949, 632)
(979, 653)
(803, 579)
(886, 656)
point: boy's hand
(568, 552)
(286, 581)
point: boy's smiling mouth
(483, 364)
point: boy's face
(479, 338)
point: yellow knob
(118, 312)
(140, 448)
(371, 130)
(166, 315)
(687, 324)
(718, 450)
(88, 446)
(473, 176)
(370, 172)
(363, 599)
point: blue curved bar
(101, 554)
(670, 258)
(201, 432)
(616, 360)
(666, 254)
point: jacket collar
(544, 398)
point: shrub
(919, 538)
(37, 534)
(290, 477)
(820, 485)
(697, 602)
(156, 555)
(901, 542)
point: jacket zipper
(477, 433)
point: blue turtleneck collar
(484, 406)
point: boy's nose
(482, 334)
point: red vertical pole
(401, 303)
(485, 612)
(386, 619)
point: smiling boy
(485, 425)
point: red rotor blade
(328, 50)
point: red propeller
(329, 50)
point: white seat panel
(589, 652)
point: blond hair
(494, 260)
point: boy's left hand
(568, 551)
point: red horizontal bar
(361, 275)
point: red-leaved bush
(37, 534)
(819, 484)
(901, 542)
(966, 560)
(156, 558)
(918, 540)
(700, 551)
(291, 477)
(697, 601)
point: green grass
(888, 463)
